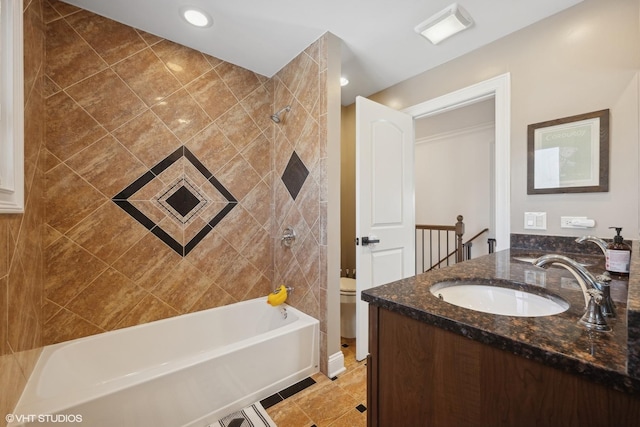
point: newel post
(459, 233)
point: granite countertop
(558, 340)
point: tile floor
(340, 402)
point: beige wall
(21, 236)
(583, 59)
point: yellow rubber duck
(278, 296)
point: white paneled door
(385, 213)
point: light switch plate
(535, 220)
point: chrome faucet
(591, 286)
(608, 307)
(598, 241)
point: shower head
(276, 117)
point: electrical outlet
(576, 222)
(535, 220)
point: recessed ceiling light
(196, 17)
(344, 81)
(445, 23)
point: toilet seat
(347, 286)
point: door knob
(366, 240)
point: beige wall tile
(107, 165)
(4, 248)
(257, 203)
(259, 105)
(212, 94)
(240, 229)
(148, 310)
(149, 38)
(238, 177)
(214, 247)
(12, 382)
(182, 115)
(212, 148)
(238, 126)
(182, 287)
(69, 58)
(69, 269)
(240, 80)
(4, 308)
(65, 326)
(69, 198)
(147, 76)
(60, 8)
(184, 63)
(147, 262)
(110, 39)
(245, 277)
(147, 138)
(213, 297)
(107, 233)
(63, 140)
(258, 154)
(110, 111)
(107, 299)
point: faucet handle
(593, 317)
(607, 305)
(596, 295)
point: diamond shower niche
(178, 200)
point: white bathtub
(184, 371)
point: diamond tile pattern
(294, 175)
(181, 200)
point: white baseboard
(335, 364)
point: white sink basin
(498, 300)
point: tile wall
(21, 236)
(165, 191)
(300, 186)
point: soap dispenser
(618, 255)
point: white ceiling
(380, 47)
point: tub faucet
(591, 286)
(598, 241)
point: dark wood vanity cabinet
(421, 375)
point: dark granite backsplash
(560, 244)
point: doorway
(453, 176)
(497, 88)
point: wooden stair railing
(457, 229)
(458, 251)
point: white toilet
(347, 307)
